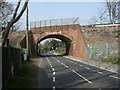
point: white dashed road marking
(53, 73)
(53, 88)
(66, 66)
(82, 77)
(75, 63)
(99, 72)
(93, 70)
(71, 61)
(96, 71)
(61, 63)
(87, 68)
(80, 65)
(53, 79)
(114, 77)
(53, 69)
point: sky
(56, 10)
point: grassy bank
(60, 52)
(22, 80)
(112, 60)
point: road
(59, 72)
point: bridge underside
(66, 40)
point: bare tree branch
(17, 7)
(101, 15)
(112, 9)
(22, 11)
(13, 20)
(6, 10)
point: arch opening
(61, 46)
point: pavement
(106, 66)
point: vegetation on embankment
(60, 51)
(112, 60)
(22, 80)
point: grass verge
(112, 60)
(60, 52)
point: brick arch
(59, 36)
(70, 32)
(67, 40)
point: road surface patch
(71, 61)
(76, 73)
(75, 63)
(96, 71)
(82, 77)
(93, 70)
(80, 65)
(103, 68)
(87, 68)
(61, 62)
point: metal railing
(54, 22)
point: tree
(6, 9)
(112, 10)
(16, 26)
(14, 19)
(93, 20)
(102, 15)
(118, 11)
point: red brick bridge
(67, 30)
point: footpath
(35, 70)
(105, 66)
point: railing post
(35, 25)
(40, 24)
(30, 25)
(45, 23)
(50, 23)
(56, 23)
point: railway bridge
(68, 30)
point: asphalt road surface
(59, 72)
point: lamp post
(90, 51)
(27, 37)
(107, 50)
(118, 47)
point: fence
(54, 22)
(10, 62)
(102, 51)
